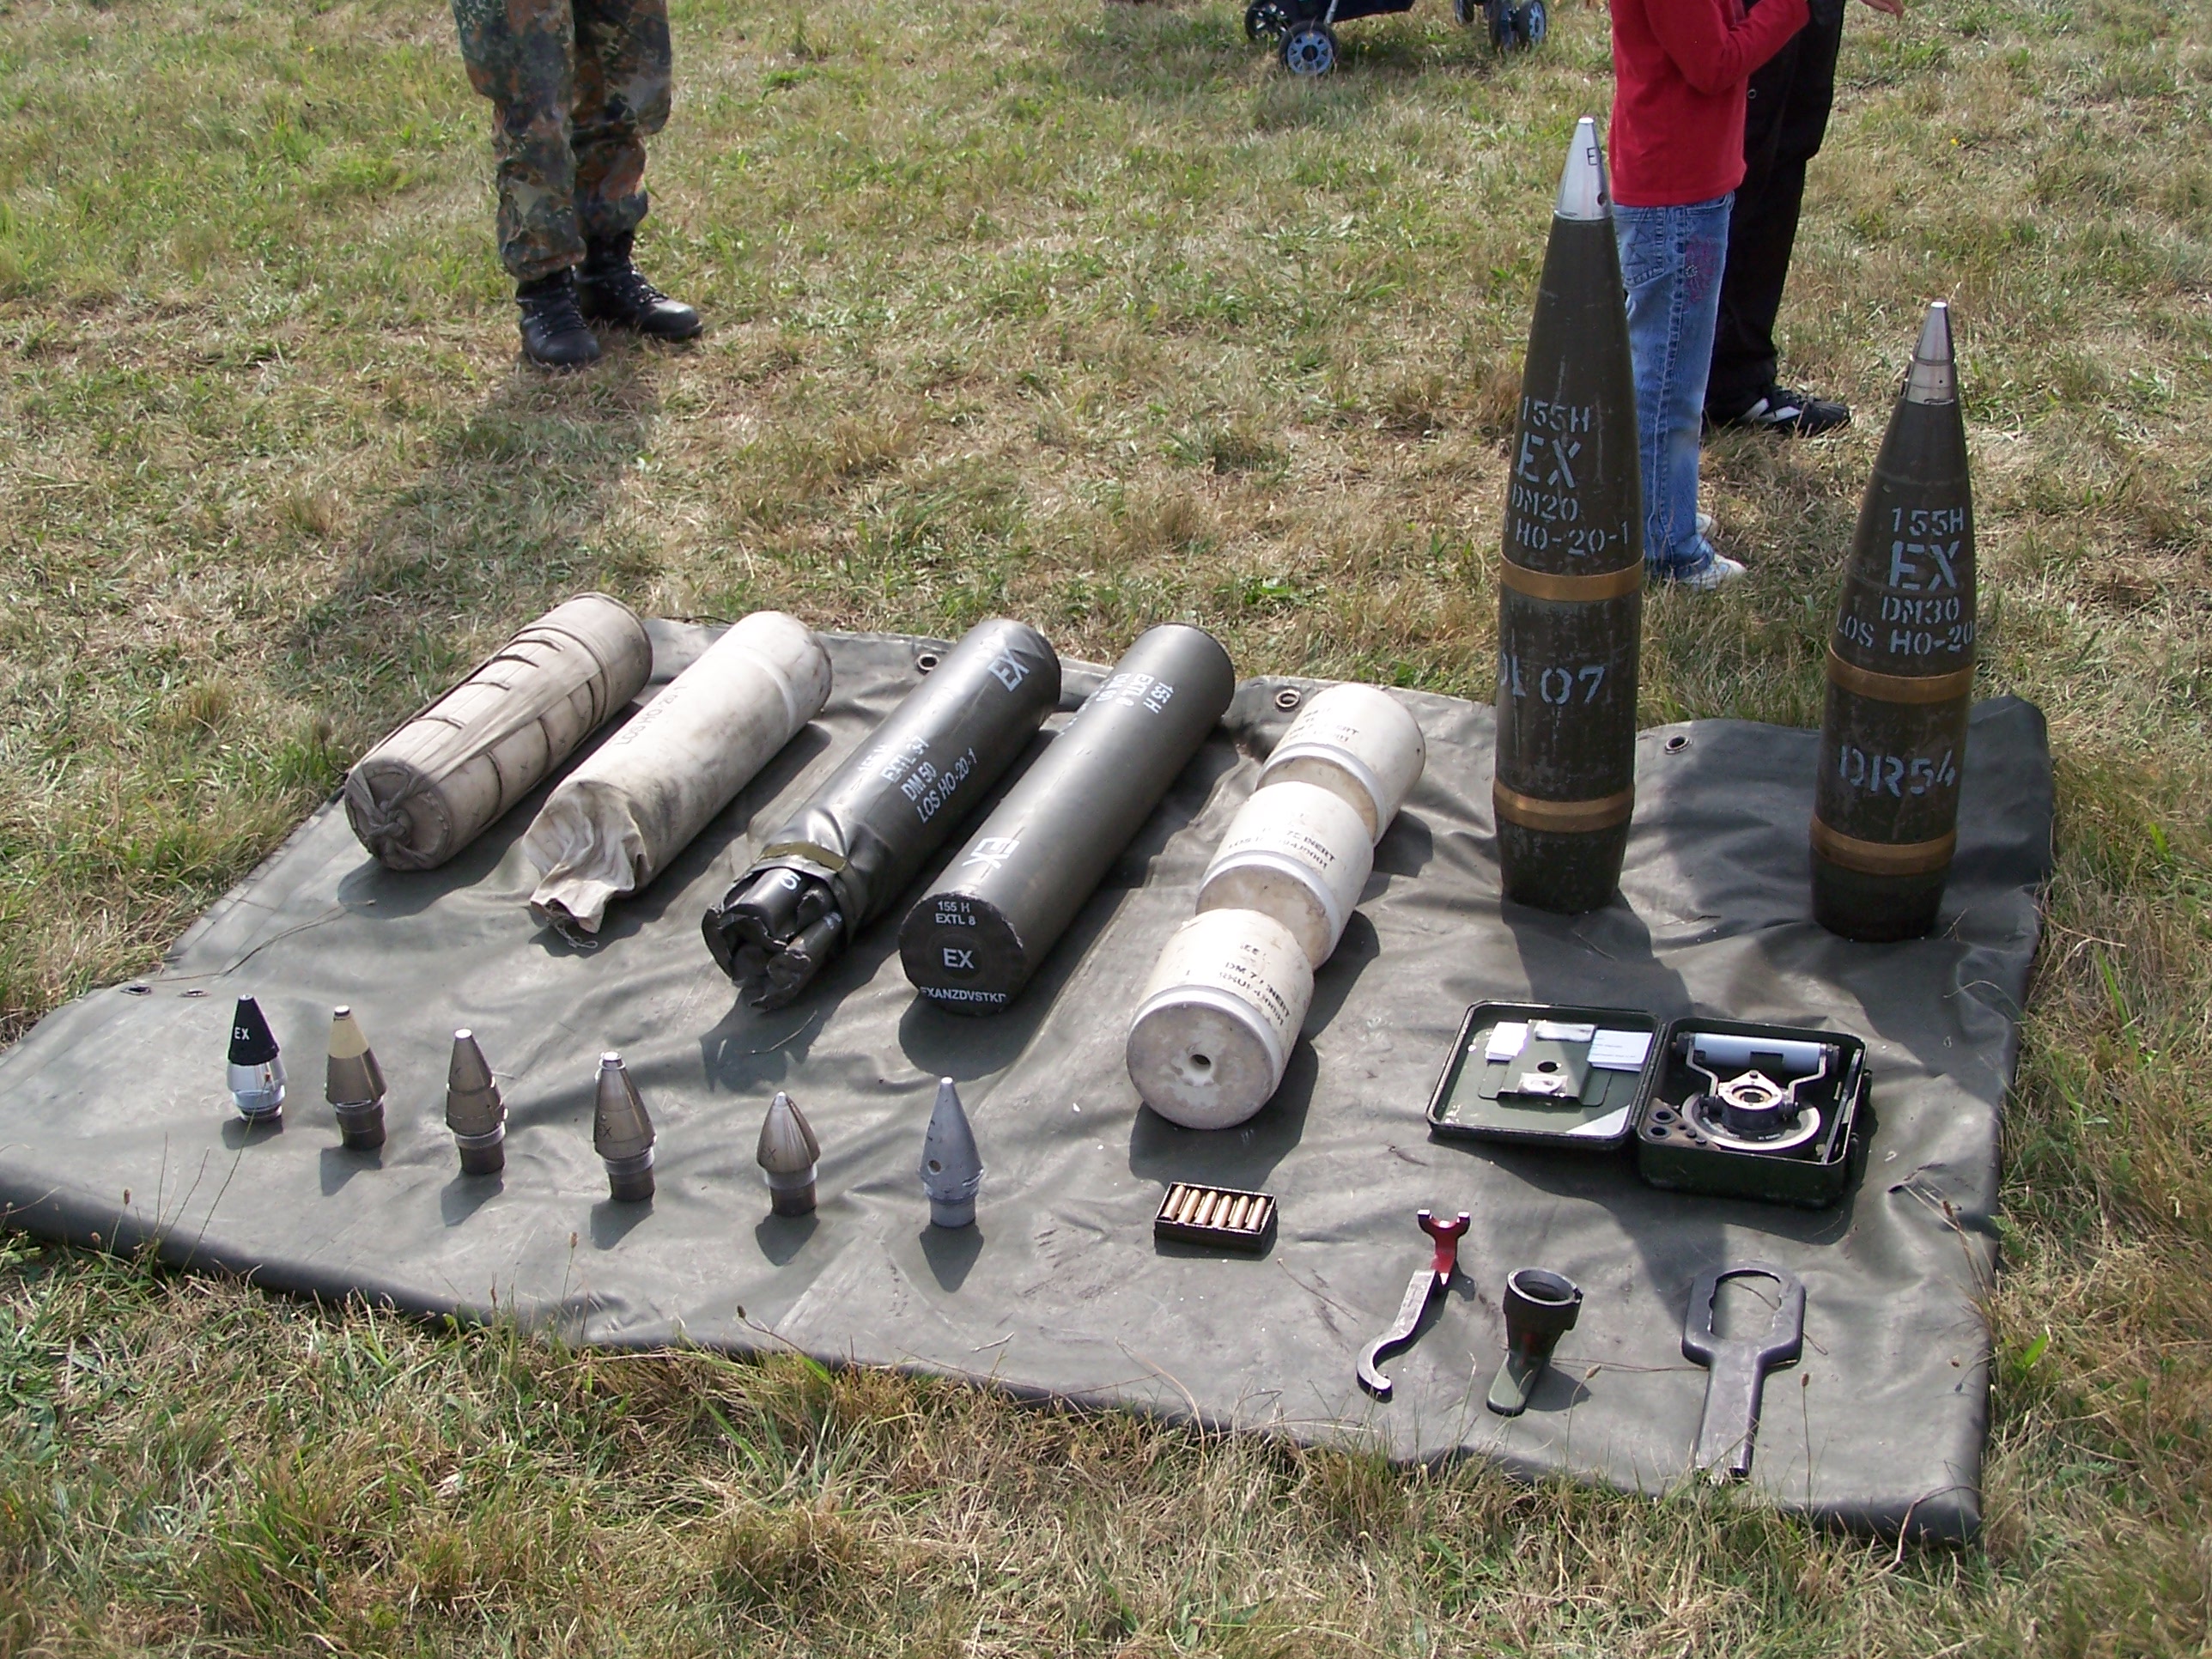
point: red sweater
(1679, 70)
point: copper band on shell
(1899, 688)
(1881, 858)
(1564, 817)
(1542, 585)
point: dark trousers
(1786, 120)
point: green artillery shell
(1570, 589)
(1901, 669)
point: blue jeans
(1671, 259)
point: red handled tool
(1420, 1293)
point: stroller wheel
(1531, 23)
(1464, 13)
(1309, 49)
(1265, 20)
(1498, 13)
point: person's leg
(1786, 118)
(623, 80)
(518, 55)
(1671, 261)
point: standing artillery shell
(974, 938)
(255, 1070)
(622, 1133)
(1901, 669)
(788, 1154)
(474, 1111)
(434, 785)
(353, 1083)
(1570, 586)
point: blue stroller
(1305, 30)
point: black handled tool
(1738, 1368)
(1540, 1307)
(1419, 1292)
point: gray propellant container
(434, 785)
(849, 852)
(1570, 584)
(975, 940)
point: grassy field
(1084, 312)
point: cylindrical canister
(434, 785)
(972, 942)
(1359, 743)
(1570, 586)
(1216, 1021)
(614, 823)
(852, 850)
(1901, 669)
(1297, 852)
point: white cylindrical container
(1358, 742)
(1297, 852)
(434, 785)
(635, 802)
(1218, 1018)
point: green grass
(1085, 312)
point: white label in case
(1560, 1030)
(1506, 1039)
(1620, 1051)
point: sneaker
(1717, 571)
(1704, 526)
(1793, 413)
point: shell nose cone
(788, 1145)
(1934, 376)
(1583, 194)
(952, 1168)
(252, 1043)
(353, 1077)
(621, 1126)
(472, 1103)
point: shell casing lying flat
(1216, 1021)
(1191, 1214)
(1901, 669)
(975, 940)
(1570, 586)
(1358, 742)
(474, 1111)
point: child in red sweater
(1680, 68)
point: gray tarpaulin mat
(115, 1125)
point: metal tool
(1739, 1367)
(1746, 1110)
(1540, 1307)
(1421, 1291)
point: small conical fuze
(474, 1111)
(1570, 584)
(952, 1168)
(256, 1070)
(1900, 669)
(353, 1083)
(788, 1153)
(622, 1133)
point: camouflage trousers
(577, 86)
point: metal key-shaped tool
(1421, 1291)
(1738, 1369)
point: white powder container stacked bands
(1217, 1019)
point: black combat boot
(612, 292)
(554, 335)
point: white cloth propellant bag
(438, 782)
(615, 823)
